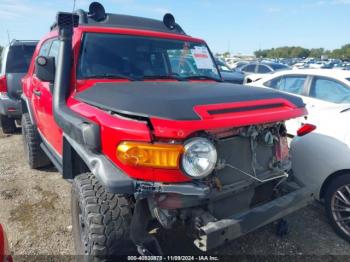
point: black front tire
(100, 220)
(8, 124)
(36, 157)
(335, 202)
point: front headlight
(199, 158)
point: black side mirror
(45, 68)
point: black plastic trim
(243, 109)
(27, 107)
(109, 175)
(80, 129)
(51, 156)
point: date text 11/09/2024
(173, 258)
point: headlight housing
(199, 157)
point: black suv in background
(14, 63)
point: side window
(290, 84)
(262, 69)
(329, 90)
(19, 58)
(44, 50)
(249, 68)
(273, 83)
(54, 50)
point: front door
(49, 129)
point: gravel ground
(35, 210)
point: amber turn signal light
(150, 155)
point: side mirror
(45, 68)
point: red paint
(137, 32)
(2, 243)
(5, 255)
(3, 84)
(305, 129)
(181, 129)
(115, 129)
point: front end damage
(248, 188)
(247, 185)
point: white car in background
(322, 157)
(259, 69)
(327, 89)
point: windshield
(138, 58)
(18, 58)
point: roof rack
(97, 17)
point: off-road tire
(334, 186)
(101, 220)
(36, 157)
(7, 124)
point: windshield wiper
(111, 76)
(172, 76)
(202, 77)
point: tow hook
(145, 243)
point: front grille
(237, 152)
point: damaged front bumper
(216, 233)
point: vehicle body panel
(166, 100)
(316, 157)
(14, 86)
(9, 107)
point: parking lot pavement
(35, 209)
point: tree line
(300, 52)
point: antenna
(74, 5)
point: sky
(238, 26)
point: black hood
(172, 100)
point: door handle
(37, 92)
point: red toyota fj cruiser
(134, 112)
